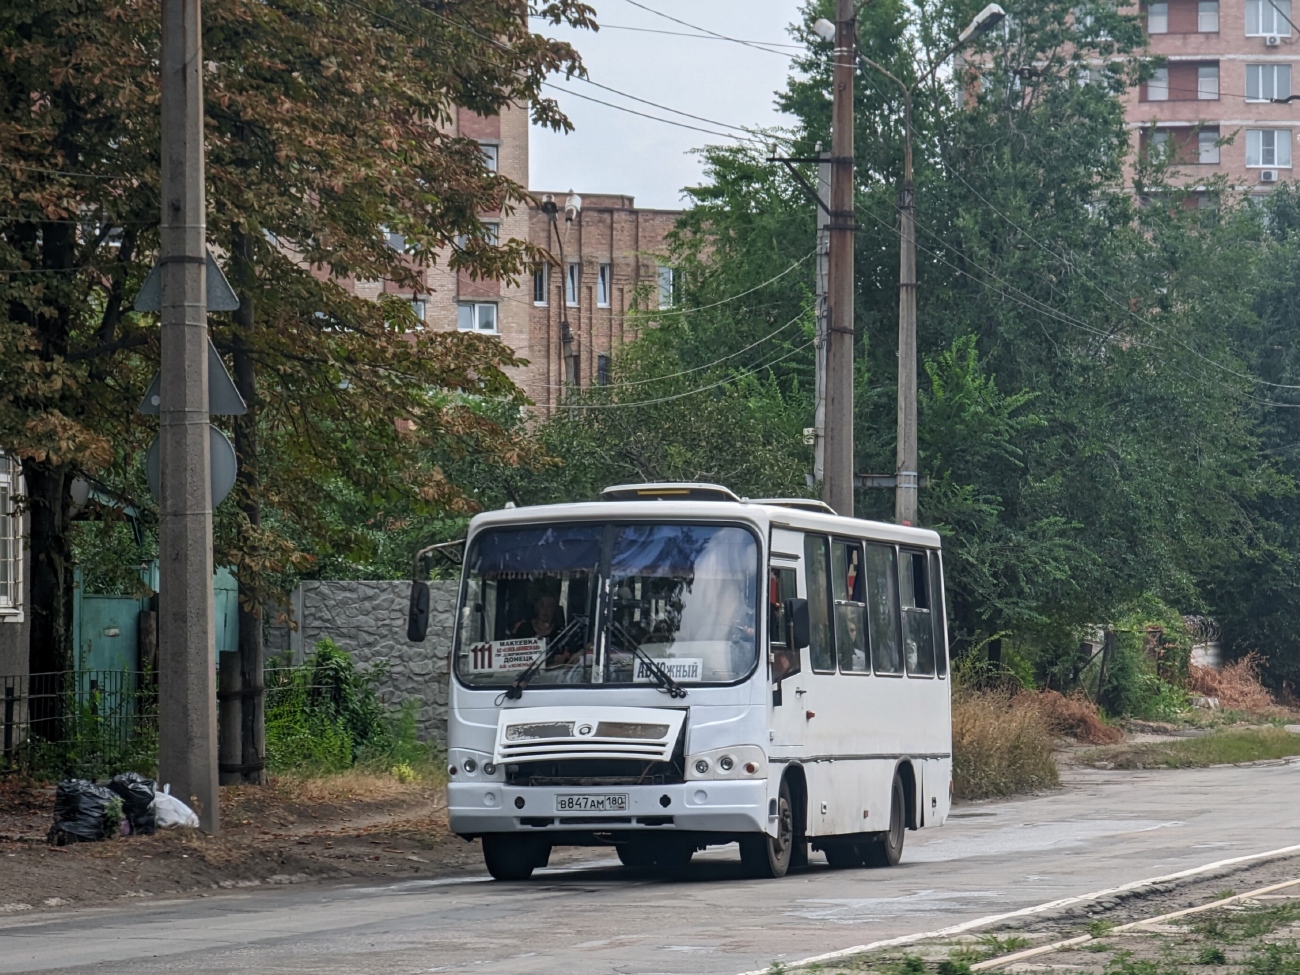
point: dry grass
(1073, 717)
(1237, 686)
(1002, 745)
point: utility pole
(187, 719)
(905, 495)
(823, 313)
(837, 488)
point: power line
(702, 37)
(689, 392)
(1123, 306)
(722, 37)
(60, 172)
(686, 372)
(622, 108)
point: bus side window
(939, 614)
(918, 626)
(848, 583)
(781, 586)
(882, 609)
(821, 649)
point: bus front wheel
(769, 856)
(887, 850)
(510, 857)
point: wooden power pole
(838, 484)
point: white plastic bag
(169, 811)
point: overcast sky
(611, 151)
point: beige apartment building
(1225, 63)
(568, 315)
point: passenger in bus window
(545, 621)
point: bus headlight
(471, 766)
(734, 762)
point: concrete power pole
(187, 718)
(838, 485)
(905, 496)
(823, 314)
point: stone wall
(368, 620)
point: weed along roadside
(353, 795)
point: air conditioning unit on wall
(1268, 175)
(1273, 40)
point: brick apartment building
(612, 256)
(1224, 62)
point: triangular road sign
(223, 397)
(221, 296)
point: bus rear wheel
(769, 856)
(510, 857)
(887, 850)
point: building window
(1264, 82)
(542, 285)
(1207, 82)
(603, 282)
(1268, 148)
(1157, 18)
(1158, 145)
(667, 287)
(490, 155)
(1207, 141)
(476, 316)
(602, 369)
(1268, 17)
(395, 240)
(11, 544)
(1158, 86)
(571, 284)
(419, 308)
(1207, 16)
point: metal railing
(96, 723)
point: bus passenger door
(787, 665)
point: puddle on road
(1025, 837)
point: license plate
(616, 802)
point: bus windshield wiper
(516, 690)
(662, 679)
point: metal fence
(77, 722)
(95, 723)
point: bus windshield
(594, 600)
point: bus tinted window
(847, 584)
(821, 650)
(882, 603)
(918, 626)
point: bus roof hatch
(669, 491)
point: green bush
(326, 716)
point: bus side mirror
(417, 616)
(796, 611)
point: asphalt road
(1103, 830)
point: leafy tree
(325, 125)
(1087, 406)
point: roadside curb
(1076, 905)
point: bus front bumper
(703, 806)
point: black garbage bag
(136, 793)
(81, 813)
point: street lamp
(572, 209)
(905, 497)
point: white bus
(673, 667)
